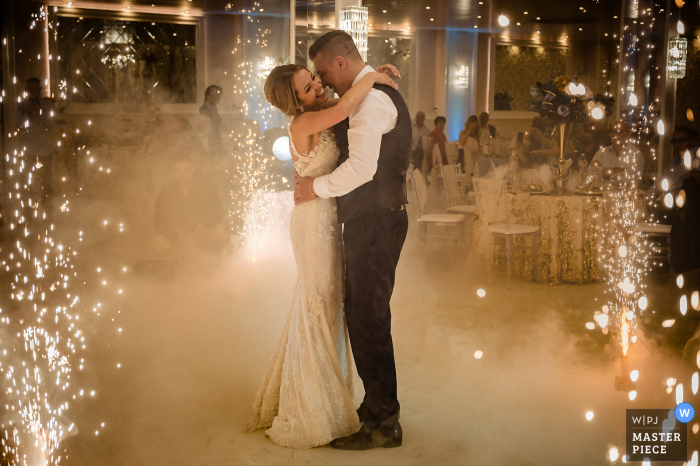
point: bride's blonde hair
(279, 89)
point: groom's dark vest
(388, 187)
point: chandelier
(354, 21)
(677, 54)
(266, 66)
(115, 58)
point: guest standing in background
(485, 127)
(468, 145)
(683, 139)
(539, 148)
(420, 141)
(437, 139)
(212, 96)
(36, 120)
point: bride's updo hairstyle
(279, 89)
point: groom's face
(330, 73)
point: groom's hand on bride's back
(303, 189)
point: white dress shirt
(374, 116)
(420, 133)
(631, 159)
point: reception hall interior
(547, 284)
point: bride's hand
(381, 78)
(389, 69)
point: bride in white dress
(306, 396)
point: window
(518, 68)
(135, 63)
(395, 51)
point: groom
(370, 187)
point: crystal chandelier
(266, 66)
(115, 58)
(354, 21)
(677, 53)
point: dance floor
(193, 350)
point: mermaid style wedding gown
(306, 395)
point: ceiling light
(427, 7)
(383, 11)
(503, 20)
(432, 19)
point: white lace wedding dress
(306, 395)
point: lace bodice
(322, 160)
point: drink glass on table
(583, 170)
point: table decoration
(562, 103)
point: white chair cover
(454, 191)
(491, 205)
(421, 191)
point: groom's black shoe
(368, 438)
(364, 414)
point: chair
(493, 207)
(452, 152)
(454, 190)
(656, 230)
(424, 219)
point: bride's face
(309, 89)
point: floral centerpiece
(561, 102)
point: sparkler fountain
(253, 196)
(44, 322)
(624, 257)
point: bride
(306, 396)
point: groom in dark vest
(370, 187)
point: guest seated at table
(684, 139)
(621, 156)
(539, 148)
(188, 212)
(594, 138)
(468, 144)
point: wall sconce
(354, 20)
(463, 76)
(677, 54)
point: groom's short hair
(333, 44)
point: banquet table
(570, 226)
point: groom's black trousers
(373, 245)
